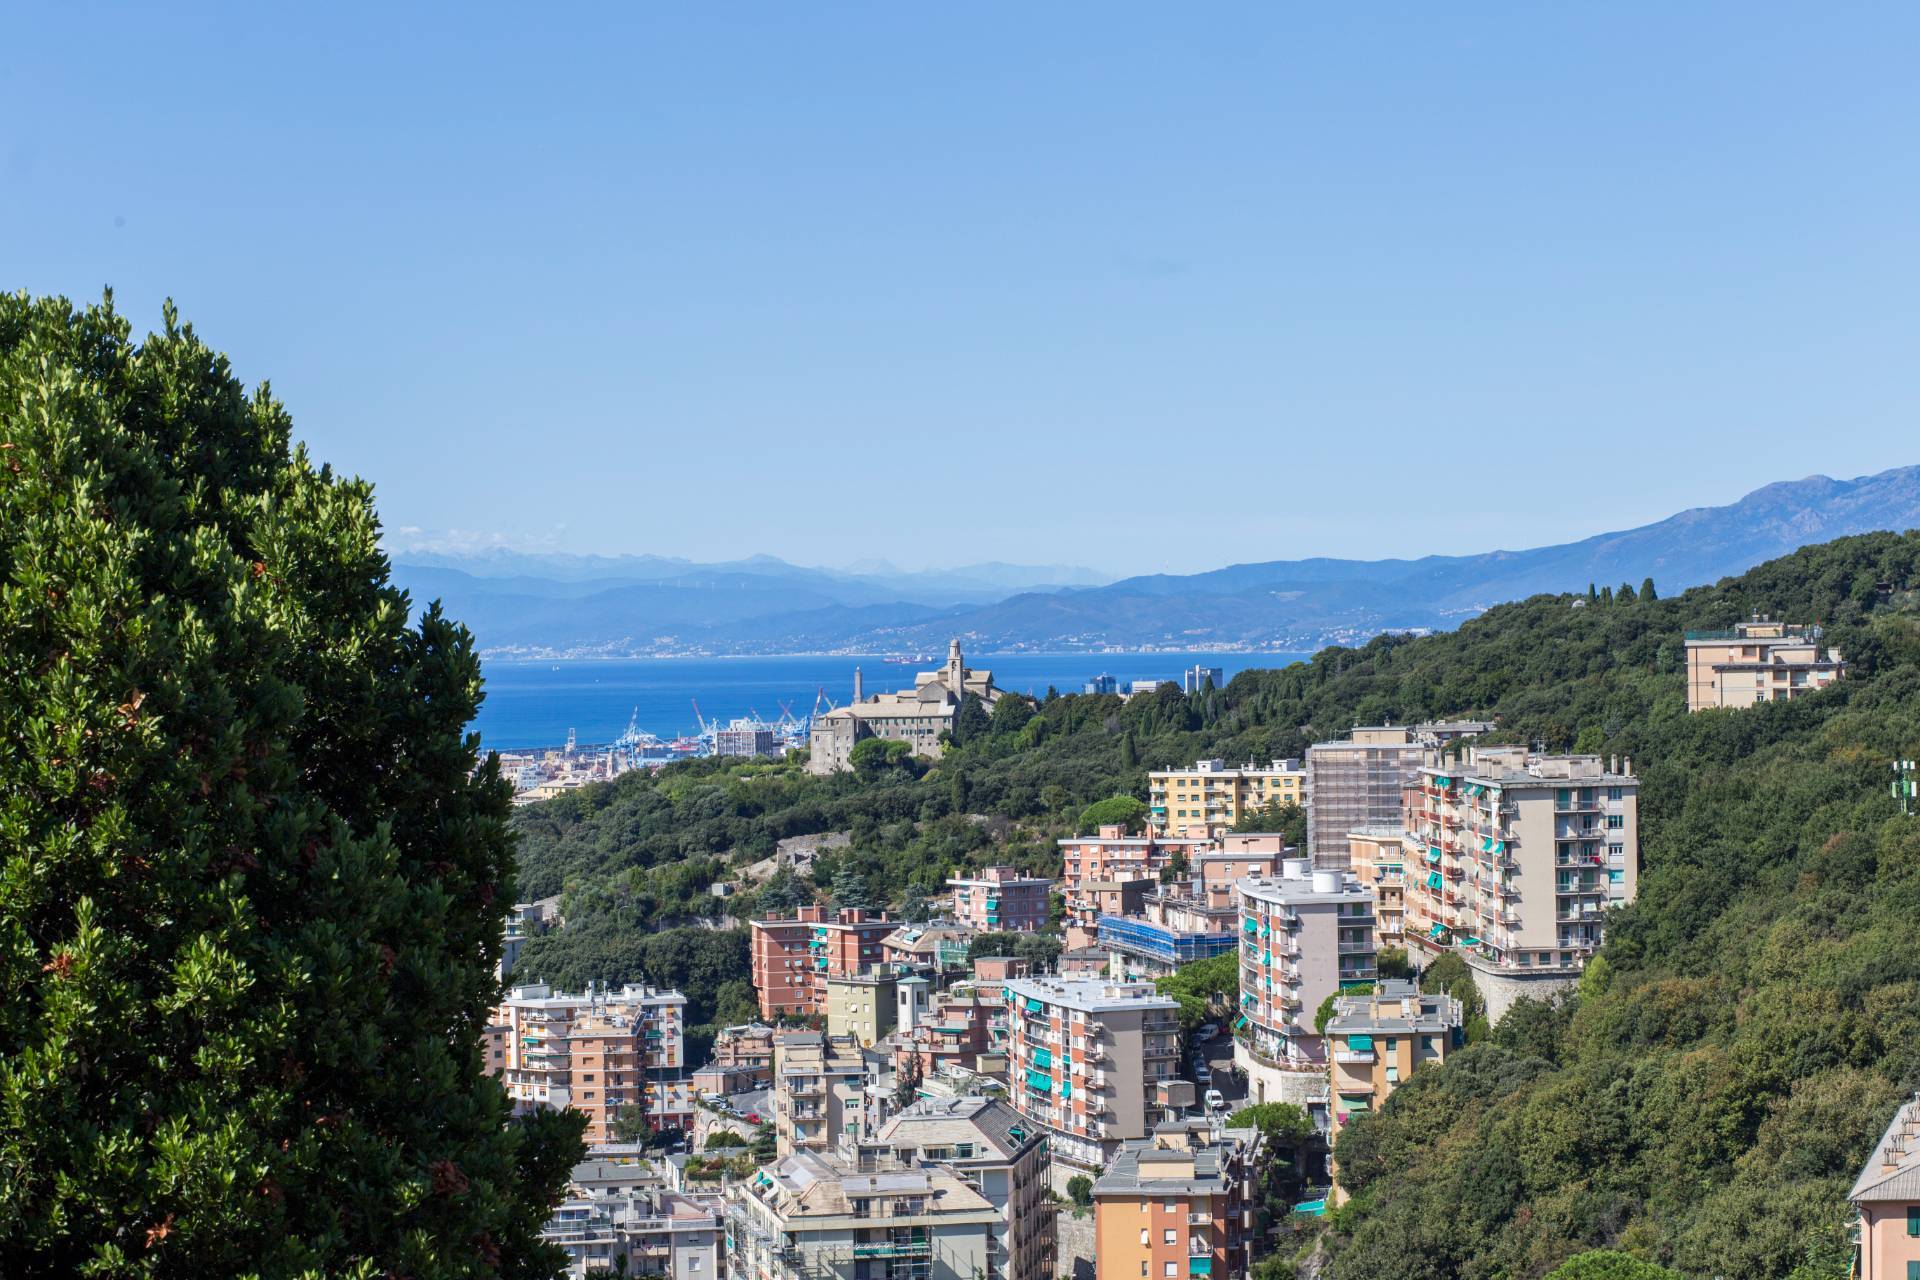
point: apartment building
(1179, 923)
(1380, 1040)
(965, 1024)
(596, 1052)
(1304, 935)
(821, 1216)
(793, 958)
(937, 947)
(1112, 854)
(1377, 858)
(1759, 660)
(1886, 1196)
(1001, 900)
(1356, 782)
(748, 1045)
(986, 1143)
(1212, 795)
(862, 1007)
(819, 1091)
(1235, 857)
(1513, 858)
(1178, 1203)
(1092, 899)
(638, 1233)
(1085, 1058)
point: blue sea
(534, 704)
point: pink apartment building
(1001, 900)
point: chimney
(1628, 765)
(856, 686)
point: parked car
(1209, 1031)
(1202, 1074)
(1214, 1101)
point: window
(1146, 1237)
(1616, 821)
(1169, 1236)
(1614, 793)
(1170, 1271)
(1913, 1219)
(1169, 1206)
(1143, 1268)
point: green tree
(721, 1139)
(873, 758)
(850, 888)
(1324, 1014)
(254, 874)
(629, 1123)
(1393, 963)
(1646, 591)
(1607, 1264)
(1011, 713)
(1283, 816)
(1080, 1191)
(1122, 811)
(970, 721)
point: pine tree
(1646, 591)
(252, 875)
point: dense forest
(1701, 1102)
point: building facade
(1085, 1058)
(595, 1052)
(1305, 935)
(1377, 858)
(1514, 858)
(1179, 923)
(793, 958)
(1380, 1040)
(862, 1007)
(819, 1091)
(639, 1233)
(820, 1216)
(1886, 1196)
(1212, 795)
(1356, 782)
(1759, 660)
(1001, 900)
(1179, 1203)
(985, 1143)
(918, 716)
(1112, 854)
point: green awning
(1469, 942)
(1355, 1104)
(1039, 1082)
(1474, 789)
(1241, 1021)
(1433, 853)
(1437, 931)
(1252, 925)
(1199, 1266)
(1360, 1044)
(1034, 1006)
(1043, 1057)
(1433, 879)
(1066, 1088)
(1442, 781)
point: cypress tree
(252, 873)
(1646, 590)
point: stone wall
(1501, 988)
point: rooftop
(1892, 1172)
(1090, 995)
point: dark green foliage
(1114, 811)
(1392, 962)
(1283, 816)
(876, 758)
(252, 874)
(723, 1138)
(970, 721)
(1607, 1264)
(1204, 988)
(1080, 1190)
(1324, 1013)
(1040, 950)
(629, 1124)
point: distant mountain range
(576, 606)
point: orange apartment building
(1177, 1204)
(1759, 660)
(1379, 1041)
(1378, 862)
(1886, 1195)
(595, 1053)
(1115, 855)
(793, 958)
(1001, 900)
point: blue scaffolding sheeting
(1137, 937)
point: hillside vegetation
(1726, 1064)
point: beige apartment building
(918, 716)
(824, 1216)
(1378, 861)
(1211, 795)
(1886, 1196)
(1513, 859)
(1304, 935)
(1759, 660)
(988, 1146)
(1086, 1058)
(595, 1052)
(1379, 1041)
(819, 1091)
(1179, 1203)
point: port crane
(819, 698)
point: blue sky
(1139, 287)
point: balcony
(1353, 1055)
